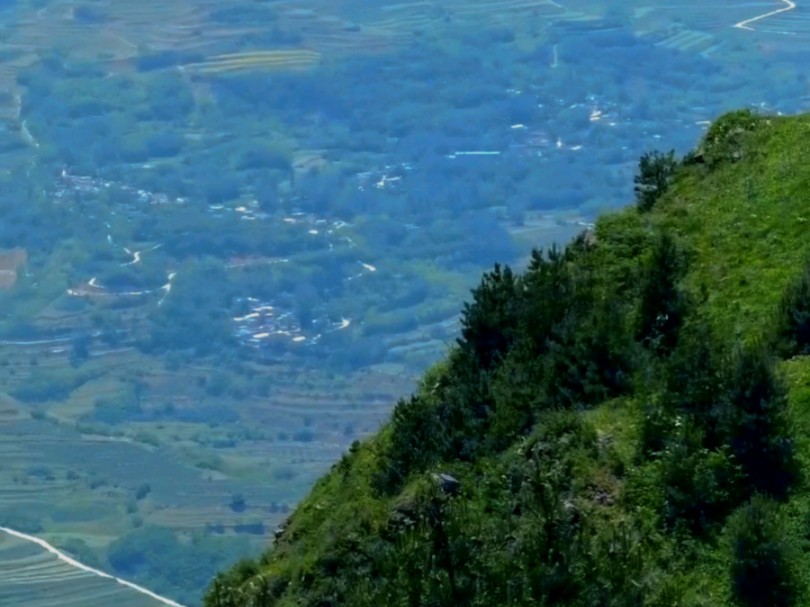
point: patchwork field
(34, 577)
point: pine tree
(755, 424)
(662, 304)
(416, 436)
(761, 572)
(489, 323)
(549, 293)
(655, 171)
(793, 323)
(696, 381)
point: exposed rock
(448, 484)
(281, 529)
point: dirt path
(746, 25)
(77, 565)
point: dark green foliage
(655, 172)
(696, 377)
(700, 478)
(701, 486)
(601, 430)
(463, 413)
(489, 323)
(720, 431)
(529, 344)
(662, 304)
(547, 550)
(517, 395)
(589, 359)
(416, 433)
(548, 290)
(657, 422)
(755, 424)
(618, 571)
(792, 326)
(761, 569)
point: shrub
(792, 332)
(755, 424)
(415, 436)
(724, 142)
(761, 573)
(663, 306)
(701, 487)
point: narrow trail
(136, 255)
(167, 287)
(77, 565)
(27, 136)
(746, 24)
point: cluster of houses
(386, 178)
(264, 325)
(70, 184)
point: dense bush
(725, 140)
(761, 569)
(792, 325)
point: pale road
(77, 565)
(745, 25)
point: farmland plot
(33, 577)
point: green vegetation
(233, 236)
(623, 423)
(652, 181)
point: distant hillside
(624, 423)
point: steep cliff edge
(624, 423)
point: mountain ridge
(623, 423)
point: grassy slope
(745, 224)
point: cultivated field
(34, 577)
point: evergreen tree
(517, 395)
(793, 323)
(589, 358)
(701, 486)
(696, 381)
(548, 294)
(416, 435)
(655, 171)
(488, 324)
(761, 572)
(662, 304)
(755, 424)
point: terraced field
(709, 28)
(120, 32)
(33, 577)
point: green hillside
(624, 423)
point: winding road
(746, 25)
(77, 565)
